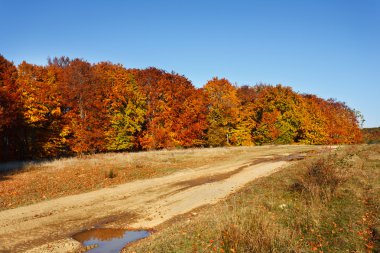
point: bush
(324, 175)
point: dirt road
(139, 204)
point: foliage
(11, 123)
(175, 114)
(125, 106)
(41, 110)
(223, 111)
(371, 135)
(71, 106)
(278, 114)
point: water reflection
(109, 240)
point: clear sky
(330, 48)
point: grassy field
(321, 204)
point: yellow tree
(278, 114)
(223, 111)
(125, 105)
(242, 134)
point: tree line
(71, 107)
(371, 135)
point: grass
(23, 183)
(321, 204)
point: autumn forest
(72, 107)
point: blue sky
(330, 48)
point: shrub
(324, 175)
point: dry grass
(326, 174)
(31, 182)
(327, 204)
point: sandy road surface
(139, 204)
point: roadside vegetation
(327, 203)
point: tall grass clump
(251, 230)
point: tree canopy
(73, 107)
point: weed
(111, 174)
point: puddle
(109, 240)
(295, 157)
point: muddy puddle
(108, 240)
(295, 157)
